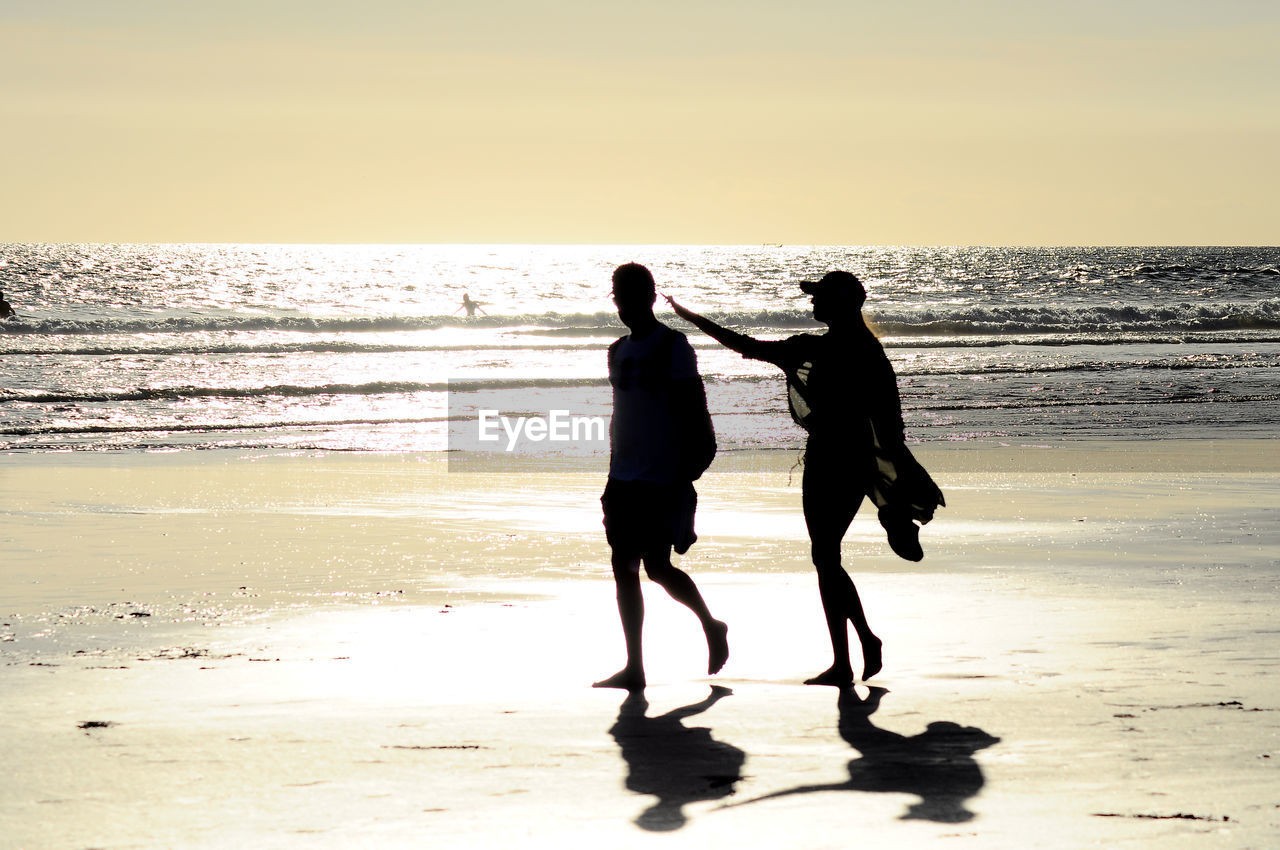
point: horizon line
(656, 244)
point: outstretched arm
(799, 789)
(718, 692)
(745, 345)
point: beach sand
(218, 649)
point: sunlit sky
(751, 121)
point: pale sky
(1009, 122)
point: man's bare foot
(626, 679)
(871, 660)
(717, 647)
(836, 676)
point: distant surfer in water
(6, 309)
(470, 306)
(843, 391)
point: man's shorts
(641, 516)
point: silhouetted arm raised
(747, 346)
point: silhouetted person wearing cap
(843, 391)
(6, 309)
(660, 442)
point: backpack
(697, 448)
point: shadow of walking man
(677, 764)
(937, 765)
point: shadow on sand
(677, 764)
(937, 765)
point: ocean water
(355, 348)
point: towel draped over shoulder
(843, 391)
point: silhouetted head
(939, 810)
(663, 816)
(953, 740)
(837, 297)
(634, 293)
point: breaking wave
(928, 322)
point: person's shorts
(838, 475)
(641, 516)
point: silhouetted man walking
(660, 442)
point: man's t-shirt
(643, 434)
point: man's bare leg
(626, 576)
(681, 587)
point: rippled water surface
(354, 347)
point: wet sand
(350, 650)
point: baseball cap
(837, 282)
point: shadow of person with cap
(937, 765)
(677, 764)
(842, 389)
